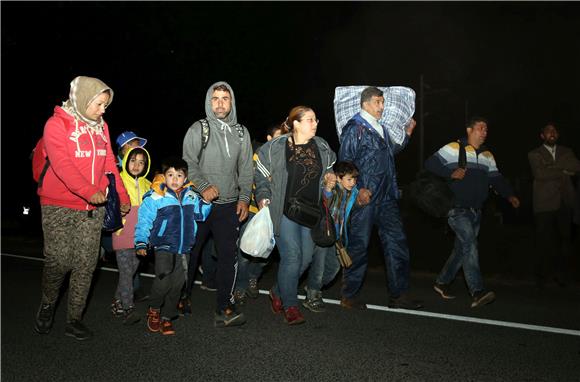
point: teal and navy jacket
(472, 190)
(168, 221)
(341, 203)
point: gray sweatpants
(71, 244)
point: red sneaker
(292, 316)
(153, 320)
(276, 303)
(167, 328)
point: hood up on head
(232, 118)
(125, 168)
(83, 90)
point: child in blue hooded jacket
(340, 196)
(167, 222)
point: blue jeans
(323, 269)
(465, 223)
(296, 249)
(386, 217)
(249, 267)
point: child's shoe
(184, 306)
(117, 308)
(229, 317)
(166, 327)
(131, 317)
(153, 320)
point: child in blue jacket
(166, 221)
(340, 197)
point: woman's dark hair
(345, 168)
(132, 154)
(295, 114)
(176, 162)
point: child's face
(136, 164)
(174, 179)
(129, 145)
(347, 182)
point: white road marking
(507, 324)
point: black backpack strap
(462, 161)
(240, 129)
(43, 173)
(204, 136)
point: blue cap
(127, 136)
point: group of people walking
(201, 199)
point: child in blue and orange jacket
(167, 221)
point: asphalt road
(526, 335)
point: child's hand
(125, 208)
(141, 252)
(329, 181)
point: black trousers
(554, 243)
(223, 224)
(168, 282)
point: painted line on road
(507, 324)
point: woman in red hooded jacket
(72, 194)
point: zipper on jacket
(93, 161)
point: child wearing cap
(128, 140)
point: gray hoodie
(226, 161)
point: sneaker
(207, 288)
(403, 302)
(229, 317)
(77, 330)
(153, 320)
(240, 297)
(315, 305)
(482, 297)
(117, 308)
(352, 303)
(184, 306)
(253, 291)
(166, 328)
(44, 318)
(276, 303)
(293, 316)
(131, 317)
(443, 290)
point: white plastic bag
(258, 238)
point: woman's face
(306, 126)
(97, 107)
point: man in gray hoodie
(218, 153)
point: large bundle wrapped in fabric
(399, 108)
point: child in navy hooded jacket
(167, 221)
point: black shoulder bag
(431, 193)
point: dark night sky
(515, 63)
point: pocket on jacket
(162, 229)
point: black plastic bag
(113, 220)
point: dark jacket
(552, 187)
(373, 156)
